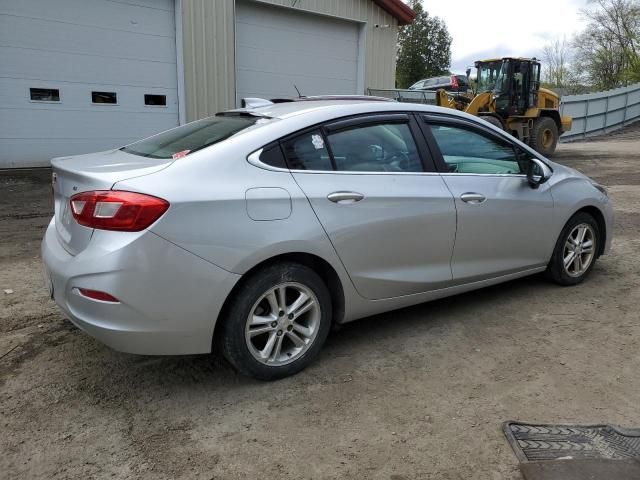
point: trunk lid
(95, 171)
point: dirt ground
(416, 393)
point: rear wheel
(576, 250)
(544, 137)
(277, 322)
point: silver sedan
(253, 231)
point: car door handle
(473, 198)
(345, 197)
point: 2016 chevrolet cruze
(254, 230)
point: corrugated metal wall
(209, 67)
(601, 112)
(209, 45)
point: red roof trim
(398, 9)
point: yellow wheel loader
(509, 96)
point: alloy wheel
(283, 324)
(579, 250)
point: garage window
(155, 100)
(104, 97)
(44, 94)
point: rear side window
(467, 151)
(307, 152)
(191, 137)
(272, 155)
(384, 147)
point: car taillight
(454, 81)
(117, 210)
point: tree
(608, 51)
(557, 58)
(424, 48)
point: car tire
(544, 137)
(266, 334)
(563, 267)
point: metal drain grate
(533, 443)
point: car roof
(283, 109)
(343, 108)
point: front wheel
(545, 135)
(277, 322)
(576, 250)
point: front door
(501, 220)
(391, 221)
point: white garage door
(83, 75)
(277, 48)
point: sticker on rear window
(317, 141)
(181, 154)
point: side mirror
(538, 173)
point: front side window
(467, 151)
(384, 147)
(488, 73)
(193, 136)
(525, 159)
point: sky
(500, 28)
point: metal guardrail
(593, 113)
(601, 112)
(408, 96)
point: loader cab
(514, 83)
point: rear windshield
(194, 136)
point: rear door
(389, 216)
(502, 221)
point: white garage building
(85, 75)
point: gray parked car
(254, 230)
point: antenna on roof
(299, 94)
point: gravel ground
(415, 393)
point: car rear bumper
(169, 299)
